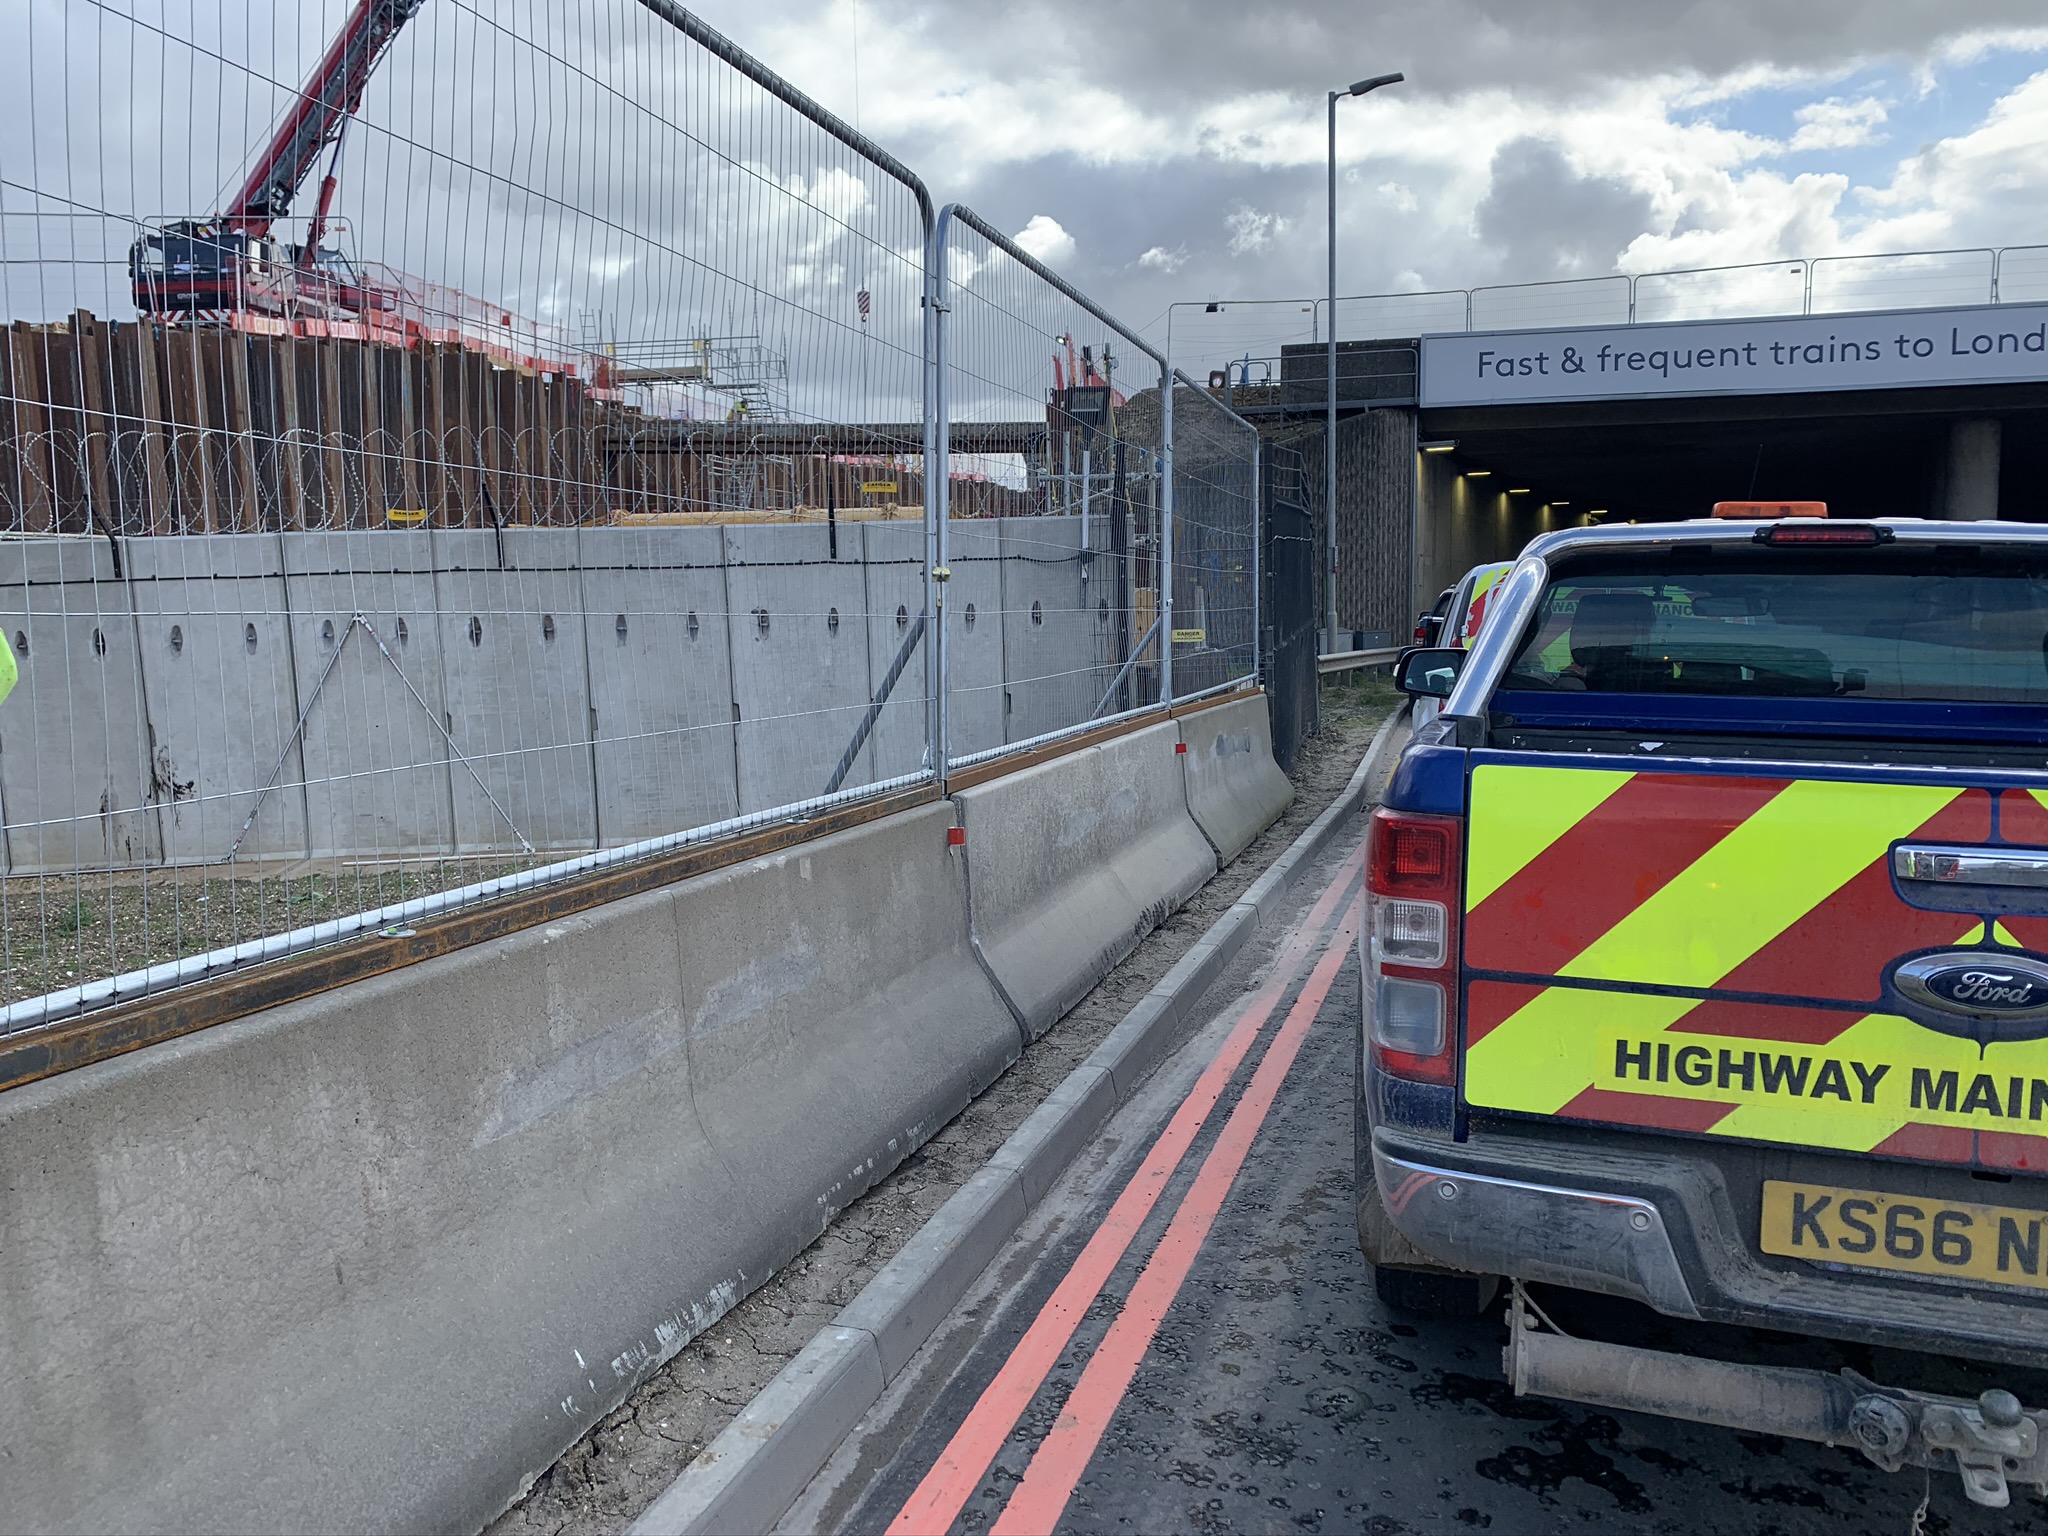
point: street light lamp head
(1362, 86)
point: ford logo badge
(1984, 995)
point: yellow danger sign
(1191, 637)
(878, 488)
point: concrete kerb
(747, 1477)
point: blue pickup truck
(1708, 967)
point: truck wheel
(1435, 1293)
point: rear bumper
(1662, 1230)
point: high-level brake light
(1824, 533)
(1762, 509)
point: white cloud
(1839, 124)
(1973, 188)
(1160, 259)
(1252, 231)
(1044, 238)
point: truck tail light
(1413, 880)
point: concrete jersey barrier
(1071, 862)
(373, 1260)
(1235, 789)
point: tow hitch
(1992, 1442)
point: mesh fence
(1245, 340)
(446, 448)
(1053, 602)
(1214, 628)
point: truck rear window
(1900, 621)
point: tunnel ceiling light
(1518, 490)
(1560, 503)
(1597, 512)
(1477, 474)
(1441, 445)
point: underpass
(1913, 413)
(1455, 447)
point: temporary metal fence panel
(1910, 280)
(544, 507)
(2023, 274)
(1762, 288)
(1081, 505)
(1214, 631)
(1579, 301)
(1219, 334)
(1391, 316)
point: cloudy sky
(1153, 150)
(1162, 150)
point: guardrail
(1248, 333)
(1353, 661)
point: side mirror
(1425, 672)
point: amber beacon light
(1757, 509)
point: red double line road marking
(968, 1455)
(1064, 1454)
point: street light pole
(1358, 88)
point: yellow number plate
(1908, 1234)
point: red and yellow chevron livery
(1707, 953)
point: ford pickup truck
(1708, 967)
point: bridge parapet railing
(1225, 332)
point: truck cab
(1707, 966)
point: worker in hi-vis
(8, 671)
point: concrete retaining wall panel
(801, 680)
(215, 640)
(1056, 638)
(518, 677)
(74, 734)
(1074, 861)
(1235, 789)
(374, 744)
(892, 556)
(372, 1260)
(975, 600)
(660, 662)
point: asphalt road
(1245, 1377)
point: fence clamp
(942, 573)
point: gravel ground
(622, 1465)
(59, 930)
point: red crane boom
(230, 262)
(331, 95)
